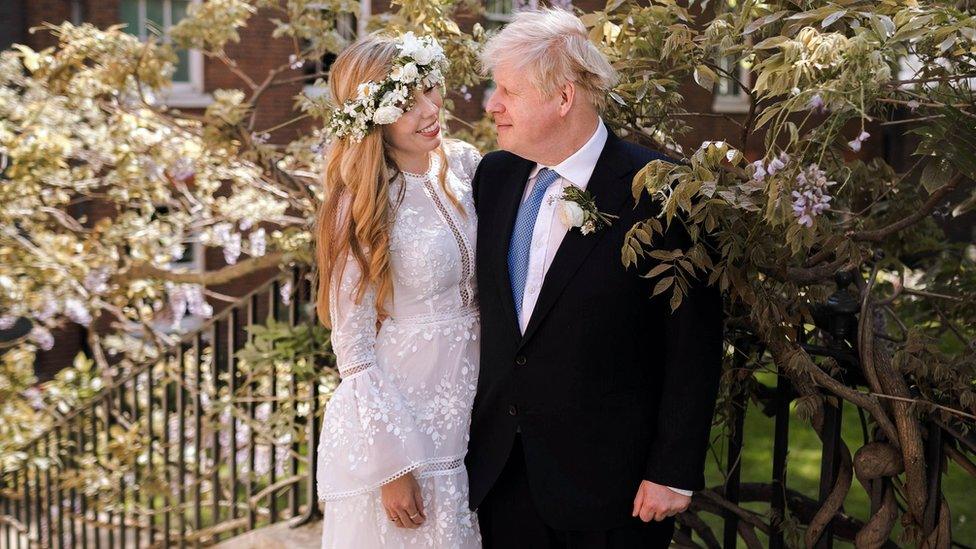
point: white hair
(552, 47)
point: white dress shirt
(549, 229)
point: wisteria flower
(258, 242)
(77, 311)
(855, 144)
(816, 104)
(778, 163)
(810, 198)
(42, 336)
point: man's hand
(656, 502)
(403, 502)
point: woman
(396, 254)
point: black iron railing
(190, 449)
(200, 473)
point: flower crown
(420, 64)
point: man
(594, 401)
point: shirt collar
(578, 168)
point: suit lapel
(610, 190)
(508, 206)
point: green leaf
(832, 18)
(771, 42)
(705, 77)
(662, 285)
(656, 271)
(936, 173)
(763, 21)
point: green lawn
(803, 471)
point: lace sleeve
(369, 432)
(353, 324)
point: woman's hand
(403, 502)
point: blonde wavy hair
(355, 218)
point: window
(146, 17)
(498, 13)
(348, 28)
(729, 95)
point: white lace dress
(404, 403)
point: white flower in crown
(409, 43)
(424, 56)
(387, 115)
(420, 64)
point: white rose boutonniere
(571, 213)
(577, 208)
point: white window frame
(502, 19)
(728, 103)
(189, 94)
(343, 25)
(196, 263)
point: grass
(803, 472)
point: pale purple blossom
(96, 281)
(196, 304)
(778, 163)
(262, 412)
(34, 397)
(817, 104)
(810, 198)
(759, 173)
(42, 336)
(77, 311)
(221, 232)
(295, 62)
(49, 307)
(185, 298)
(177, 302)
(244, 224)
(913, 104)
(182, 169)
(232, 248)
(258, 242)
(7, 322)
(855, 144)
(285, 292)
(262, 459)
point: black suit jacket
(607, 385)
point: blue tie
(518, 249)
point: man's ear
(567, 95)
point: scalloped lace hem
(432, 467)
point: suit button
(520, 360)
(513, 410)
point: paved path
(278, 536)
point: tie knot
(543, 179)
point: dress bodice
(432, 243)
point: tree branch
(877, 235)
(209, 278)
